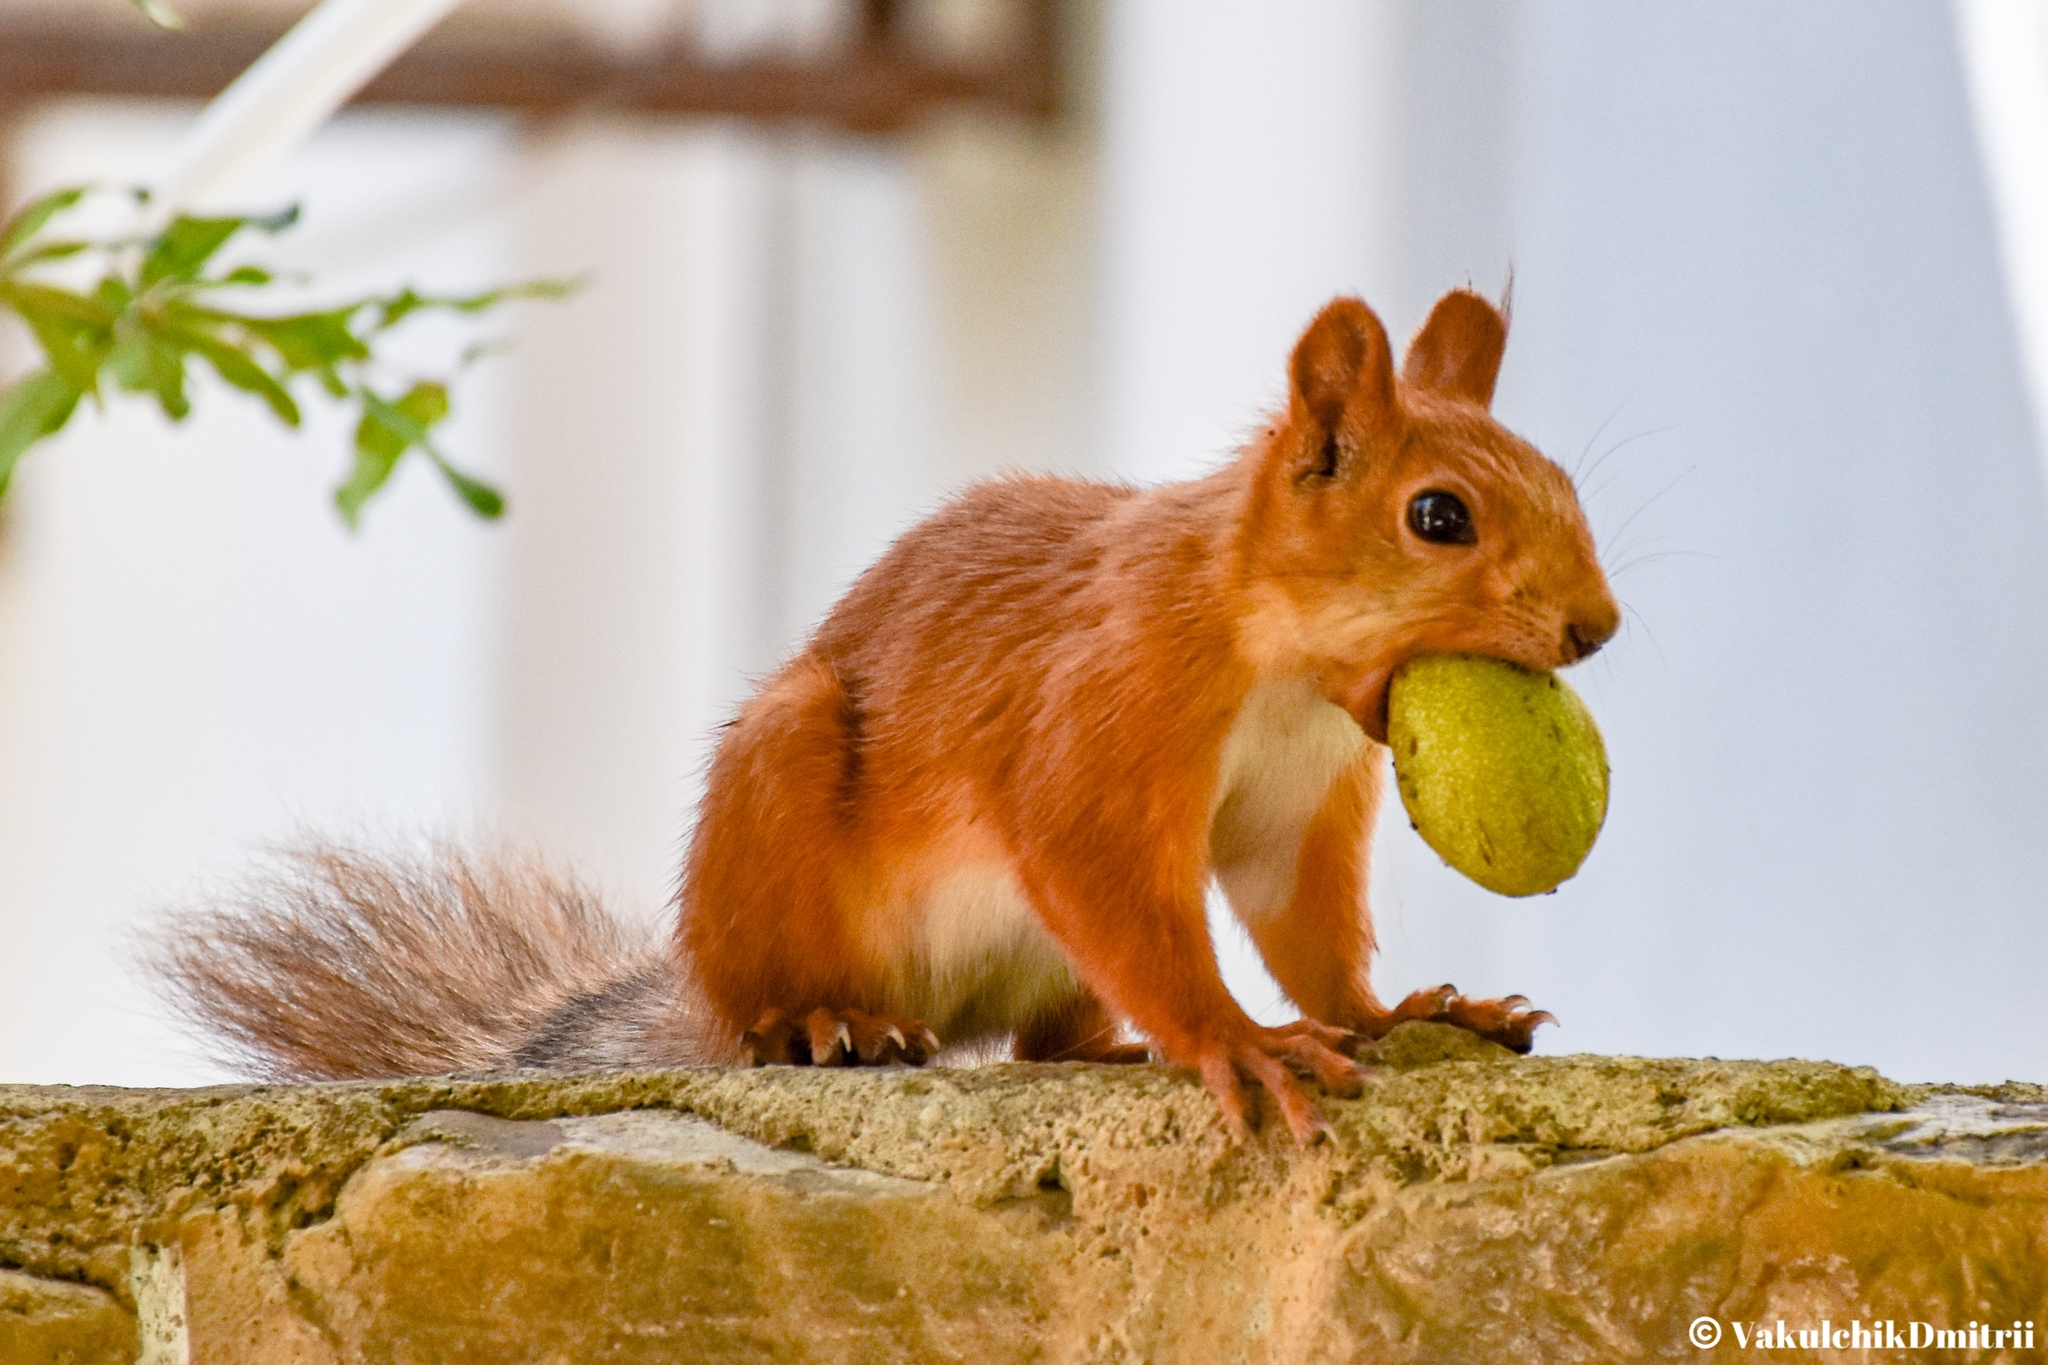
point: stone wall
(1472, 1206)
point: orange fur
(992, 789)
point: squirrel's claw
(1508, 1021)
(828, 1037)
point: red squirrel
(988, 795)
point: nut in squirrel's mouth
(1367, 695)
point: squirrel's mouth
(1366, 700)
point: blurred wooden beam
(879, 83)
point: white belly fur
(986, 963)
(1287, 746)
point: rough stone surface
(1472, 1206)
(50, 1322)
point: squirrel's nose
(1585, 634)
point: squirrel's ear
(1457, 352)
(1341, 364)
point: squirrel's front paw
(1273, 1057)
(827, 1037)
(1508, 1021)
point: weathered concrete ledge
(1472, 1207)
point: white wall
(1247, 151)
(197, 655)
(1758, 305)
(1758, 233)
(1754, 263)
(792, 345)
(635, 610)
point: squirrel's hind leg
(763, 925)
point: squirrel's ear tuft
(1342, 363)
(1457, 352)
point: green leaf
(382, 436)
(425, 403)
(371, 471)
(483, 350)
(74, 331)
(398, 307)
(29, 220)
(387, 430)
(274, 223)
(129, 364)
(486, 501)
(46, 251)
(246, 375)
(309, 341)
(525, 289)
(144, 363)
(187, 244)
(181, 250)
(35, 407)
(61, 304)
(383, 430)
(408, 419)
(229, 363)
(394, 310)
(142, 323)
(167, 379)
(395, 427)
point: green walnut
(1501, 769)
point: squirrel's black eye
(1441, 518)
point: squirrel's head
(1391, 516)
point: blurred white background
(1764, 307)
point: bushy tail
(341, 963)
